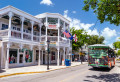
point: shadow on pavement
(101, 69)
(106, 77)
(1, 71)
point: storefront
(20, 57)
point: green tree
(118, 53)
(81, 36)
(106, 10)
(95, 39)
(116, 45)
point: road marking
(73, 76)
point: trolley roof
(98, 46)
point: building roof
(98, 46)
(54, 15)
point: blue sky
(71, 9)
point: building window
(53, 55)
(28, 56)
(4, 26)
(37, 55)
(13, 56)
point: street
(82, 73)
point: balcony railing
(52, 38)
(4, 32)
(64, 40)
(36, 38)
(43, 38)
(26, 36)
(16, 34)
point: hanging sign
(52, 43)
(42, 43)
(52, 26)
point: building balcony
(4, 33)
(36, 38)
(16, 34)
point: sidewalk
(34, 69)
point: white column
(31, 48)
(32, 24)
(24, 57)
(39, 57)
(18, 56)
(22, 26)
(10, 14)
(46, 27)
(64, 28)
(64, 53)
(7, 57)
(40, 32)
(58, 59)
(2, 54)
(42, 56)
(58, 30)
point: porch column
(7, 57)
(24, 57)
(64, 28)
(40, 32)
(10, 14)
(22, 26)
(46, 28)
(2, 54)
(39, 57)
(32, 24)
(42, 56)
(58, 59)
(64, 54)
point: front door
(43, 57)
(21, 59)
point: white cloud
(78, 25)
(93, 32)
(46, 2)
(111, 45)
(117, 38)
(108, 33)
(73, 12)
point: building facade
(23, 38)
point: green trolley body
(100, 56)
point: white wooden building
(23, 38)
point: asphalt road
(82, 73)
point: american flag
(75, 37)
(67, 34)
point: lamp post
(48, 42)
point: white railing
(4, 32)
(36, 38)
(43, 38)
(52, 38)
(26, 36)
(16, 34)
(64, 40)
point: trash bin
(67, 62)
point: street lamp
(48, 42)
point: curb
(1, 76)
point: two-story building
(23, 38)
